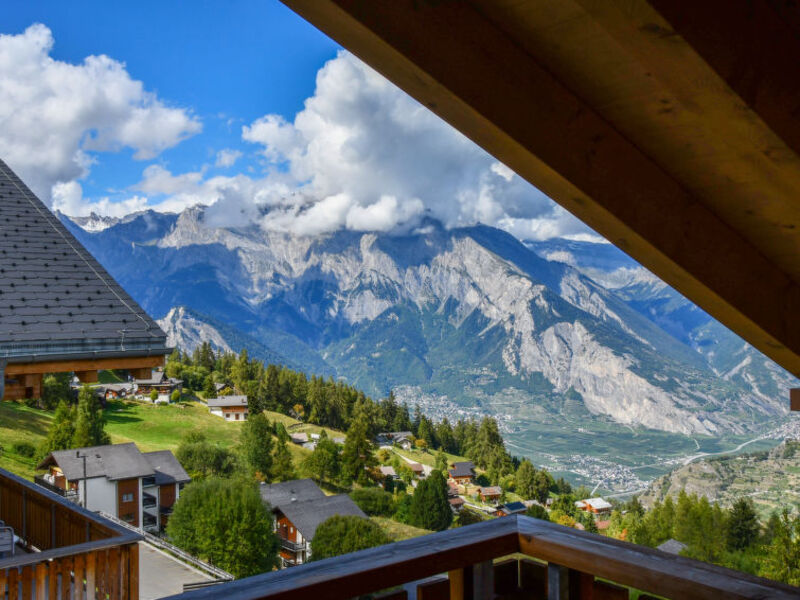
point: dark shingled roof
(297, 490)
(167, 468)
(56, 301)
(462, 469)
(672, 546)
(310, 514)
(115, 461)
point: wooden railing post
(483, 580)
(461, 584)
(133, 572)
(557, 582)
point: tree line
(337, 405)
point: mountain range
(472, 317)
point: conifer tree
(743, 526)
(282, 467)
(256, 444)
(441, 461)
(89, 421)
(323, 463)
(429, 506)
(62, 430)
(525, 479)
(357, 452)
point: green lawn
(429, 457)
(398, 531)
(18, 423)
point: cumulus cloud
(68, 198)
(372, 158)
(227, 157)
(54, 115)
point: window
(127, 497)
(227, 415)
(237, 416)
(128, 517)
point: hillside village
(322, 453)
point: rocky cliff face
(466, 313)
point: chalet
(388, 472)
(490, 494)
(462, 473)
(137, 487)
(299, 438)
(60, 311)
(510, 508)
(456, 504)
(417, 469)
(339, 441)
(300, 506)
(230, 408)
(452, 489)
(402, 439)
(158, 381)
(597, 506)
(114, 391)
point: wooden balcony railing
(570, 565)
(70, 551)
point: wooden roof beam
(455, 61)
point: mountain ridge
(468, 313)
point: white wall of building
(100, 494)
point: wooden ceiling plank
(449, 57)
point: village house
(597, 506)
(230, 408)
(118, 479)
(388, 473)
(490, 494)
(401, 439)
(417, 469)
(456, 504)
(300, 506)
(452, 489)
(462, 472)
(299, 438)
(510, 508)
(159, 382)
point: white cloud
(372, 158)
(68, 198)
(54, 115)
(227, 157)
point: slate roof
(167, 468)
(513, 507)
(307, 515)
(224, 401)
(156, 378)
(115, 461)
(56, 301)
(492, 490)
(298, 490)
(462, 469)
(672, 546)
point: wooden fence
(74, 554)
(568, 565)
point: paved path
(162, 575)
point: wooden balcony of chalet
(65, 551)
(513, 557)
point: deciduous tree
(225, 522)
(344, 534)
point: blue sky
(229, 62)
(242, 106)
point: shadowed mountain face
(471, 314)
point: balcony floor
(162, 575)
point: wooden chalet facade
(462, 473)
(157, 380)
(490, 494)
(299, 507)
(60, 311)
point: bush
(374, 501)
(24, 449)
(344, 534)
(537, 512)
